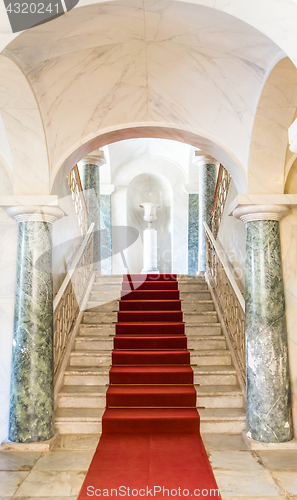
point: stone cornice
(35, 213)
(95, 158)
(262, 207)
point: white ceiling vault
(110, 71)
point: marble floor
(59, 474)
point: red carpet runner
(150, 444)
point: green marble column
(90, 179)
(207, 184)
(269, 408)
(31, 416)
(193, 233)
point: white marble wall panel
(123, 151)
(8, 249)
(24, 130)
(231, 237)
(288, 227)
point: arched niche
(172, 179)
(151, 188)
(269, 141)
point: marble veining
(91, 186)
(207, 185)
(193, 229)
(269, 412)
(31, 394)
(105, 243)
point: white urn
(150, 212)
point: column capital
(203, 158)
(97, 157)
(249, 208)
(35, 213)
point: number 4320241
(32, 8)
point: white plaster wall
(231, 237)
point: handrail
(69, 298)
(230, 276)
(229, 303)
(219, 200)
(73, 267)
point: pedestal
(150, 252)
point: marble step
(95, 397)
(210, 357)
(190, 278)
(107, 287)
(200, 317)
(79, 420)
(191, 287)
(193, 296)
(89, 420)
(222, 420)
(203, 329)
(226, 396)
(94, 375)
(104, 330)
(82, 396)
(197, 306)
(101, 306)
(90, 358)
(104, 296)
(110, 278)
(206, 342)
(99, 375)
(94, 343)
(203, 357)
(100, 317)
(215, 375)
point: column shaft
(91, 187)
(269, 416)
(32, 394)
(207, 185)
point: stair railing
(229, 301)
(69, 304)
(78, 198)
(219, 201)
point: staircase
(82, 399)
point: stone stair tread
(107, 336)
(90, 352)
(222, 390)
(83, 390)
(209, 352)
(86, 370)
(222, 414)
(214, 369)
(79, 414)
(197, 337)
(199, 313)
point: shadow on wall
(150, 188)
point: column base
(42, 446)
(257, 445)
(150, 271)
